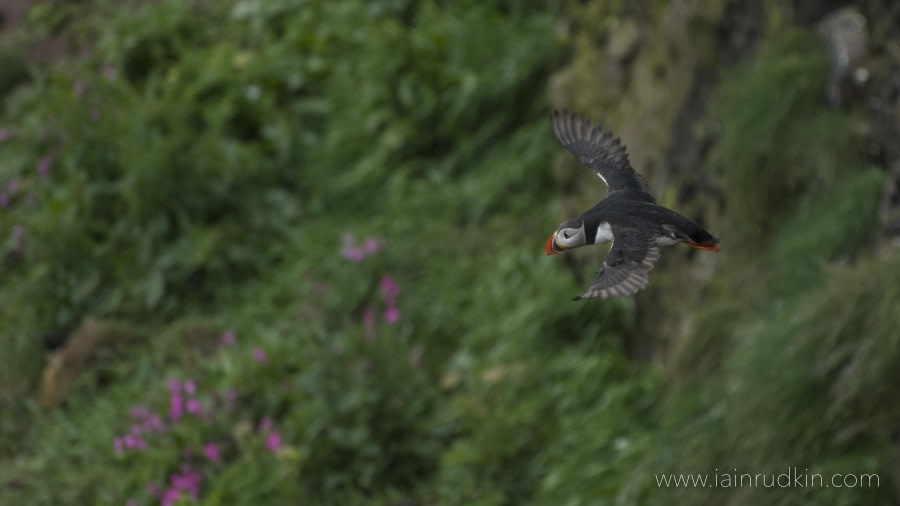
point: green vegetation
(297, 255)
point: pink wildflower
(194, 407)
(259, 355)
(273, 442)
(171, 497)
(79, 88)
(176, 406)
(134, 442)
(43, 165)
(368, 318)
(228, 338)
(154, 490)
(389, 287)
(350, 250)
(5, 134)
(188, 481)
(110, 72)
(391, 314)
(139, 412)
(372, 245)
(211, 450)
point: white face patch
(571, 237)
(604, 233)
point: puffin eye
(566, 234)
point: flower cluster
(187, 481)
(390, 290)
(8, 192)
(273, 437)
(180, 392)
(145, 422)
(189, 411)
(357, 253)
(44, 164)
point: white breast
(604, 233)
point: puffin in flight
(629, 216)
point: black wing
(625, 270)
(598, 150)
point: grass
(295, 254)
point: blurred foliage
(179, 158)
(763, 381)
(307, 237)
(776, 148)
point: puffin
(628, 217)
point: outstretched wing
(598, 150)
(625, 270)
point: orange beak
(551, 246)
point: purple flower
(194, 407)
(259, 355)
(265, 425)
(372, 245)
(228, 338)
(368, 318)
(5, 134)
(190, 387)
(43, 165)
(273, 442)
(12, 186)
(188, 481)
(176, 407)
(154, 489)
(391, 314)
(139, 412)
(134, 442)
(350, 250)
(154, 422)
(4, 199)
(79, 88)
(389, 287)
(119, 444)
(170, 497)
(110, 72)
(211, 450)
